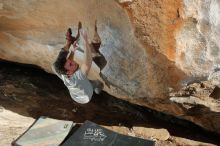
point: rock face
(197, 103)
(198, 40)
(150, 46)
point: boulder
(151, 47)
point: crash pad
(45, 132)
(91, 134)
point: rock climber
(73, 75)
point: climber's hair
(60, 62)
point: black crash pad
(91, 134)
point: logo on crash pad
(94, 134)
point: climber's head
(70, 67)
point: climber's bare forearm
(78, 33)
(67, 46)
(77, 36)
(71, 56)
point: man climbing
(73, 75)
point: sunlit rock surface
(151, 47)
(198, 45)
(33, 32)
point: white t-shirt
(80, 88)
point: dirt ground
(26, 93)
